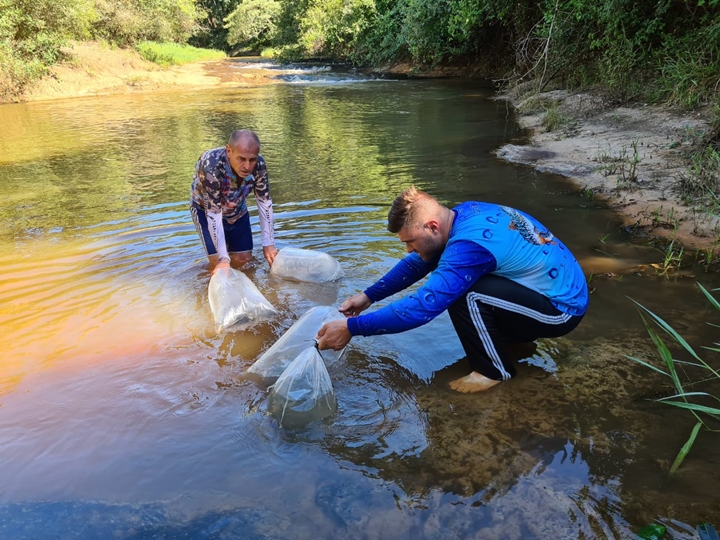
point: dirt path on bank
(633, 157)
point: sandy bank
(633, 157)
(94, 69)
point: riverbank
(633, 157)
(94, 69)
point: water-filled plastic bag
(298, 337)
(303, 392)
(234, 299)
(297, 264)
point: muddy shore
(633, 157)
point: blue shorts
(238, 236)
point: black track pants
(496, 312)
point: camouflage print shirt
(216, 188)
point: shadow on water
(124, 415)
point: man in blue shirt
(503, 277)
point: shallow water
(123, 414)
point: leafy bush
(382, 39)
(332, 27)
(126, 22)
(32, 33)
(211, 32)
(253, 21)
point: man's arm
(212, 188)
(266, 215)
(452, 278)
(217, 232)
(336, 334)
(406, 272)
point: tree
(253, 22)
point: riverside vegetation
(654, 52)
(662, 52)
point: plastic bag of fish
(298, 337)
(303, 392)
(295, 264)
(234, 300)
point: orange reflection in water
(64, 311)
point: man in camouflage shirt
(218, 201)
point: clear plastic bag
(298, 337)
(234, 299)
(297, 264)
(303, 393)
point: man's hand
(333, 335)
(270, 253)
(221, 265)
(355, 305)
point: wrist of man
(371, 296)
(353, 326)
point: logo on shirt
(527, 229)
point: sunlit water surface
(122, 414)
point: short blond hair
(406, 208)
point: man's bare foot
(475, 382)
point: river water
(123, 413)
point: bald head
(412, 208)
(244, 138)
(243, 152)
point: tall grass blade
(685, 449)
(692, 406)
(710, 297)
(666, 357)
(689, 394)
(670, 331)
(642, 362)
(681, 398)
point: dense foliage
(212, 32)
(666, 49)
(658, 50)
(253, 21)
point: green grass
(702, 405)
(554, 119)
(173, 54)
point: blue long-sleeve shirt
(484, 238)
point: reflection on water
(123, 413)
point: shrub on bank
(127, 22)
(32, 33)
